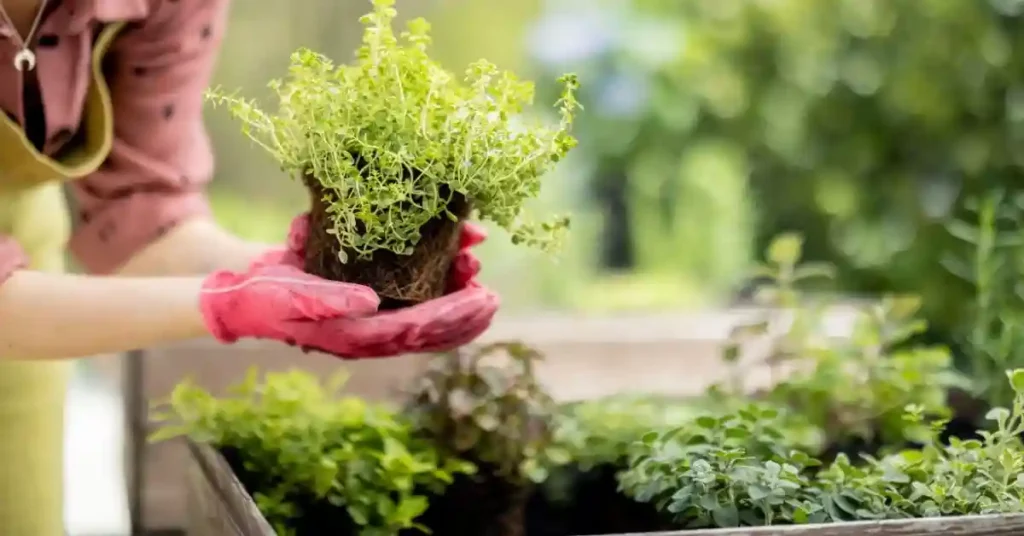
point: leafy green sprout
(875, 355)
(393, 136)
(299, 439)
(995, 334)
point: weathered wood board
(220, 506)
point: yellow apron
(32, 210)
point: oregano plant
(392, 137)
(739, 470)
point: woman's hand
(274, 301)
(437, 325)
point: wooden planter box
(586, 357)
(218, 505)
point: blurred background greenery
(709, 127)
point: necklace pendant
(25, 60)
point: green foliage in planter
(701, 472)
(735, 471)
(303, 441)
(394, 135)
(890, 373)
(486, 405)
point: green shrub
(304, 442)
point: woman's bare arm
(57, 316)
(195, 247)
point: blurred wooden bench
(586, 357)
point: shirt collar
(81, 13)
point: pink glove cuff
(208, 308)
(12, 258)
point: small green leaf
(726, 516)
(757, 492)
(706, 422)
(1017, 380)
(999, 415)
(411, 507)
(785, 249)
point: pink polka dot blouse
(157, 70)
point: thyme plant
(393, 136)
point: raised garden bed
(854, 439)
(219, 505)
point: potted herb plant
(396, 151)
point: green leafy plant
(295, 439)
(876, 357)
(392, 137)
(995, 335)
(727, 471)
(738, 470)
(486, 405)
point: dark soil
(400, 280)
(594, 507)
(853, 448)
(479, 505)
(318, 518)
(968, 413)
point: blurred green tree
(863, 124)
(669, 207)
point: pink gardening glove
(274, 301)
(438, 325)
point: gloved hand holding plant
(396, 153)
(275, 299)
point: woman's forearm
(56, 316)
(197, 246)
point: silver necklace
(25, 59)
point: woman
(106, 95)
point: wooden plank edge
(241, 507)
(979, 525)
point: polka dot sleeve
(161, 159)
